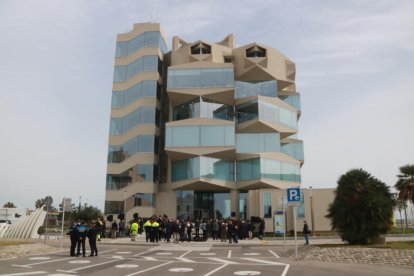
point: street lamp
(312, 216)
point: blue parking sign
(293, 195)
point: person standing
(214, 229)
(114, 229)
(134, 230)
(261, 229)
(306, 232)
(82, 230)
(73, 239)
(92, 233)
(99, 227)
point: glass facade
(202, 77)
(257, 142)
(141, 143)
(147, 88)
(147, 39)
(267, 204)
(202, 167)
(257, 168)
(247, 89)
(293, 100)
(114, 207)
(138, 173)
(142, 115)
(203, 204)
(201, 107)
(146, 63)
(267, 112)
(294, 150)
(200, 136)
(144, 200)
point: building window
(201, 49)
(256, 51)
(144, 200)
(267, 204)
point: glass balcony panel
(261, 142)
(268, 112)
(121, 49)
(186, 136)
(136, 43)
(149, 88)
(202, 167)
(205, 77)
(212, 136)
(293, 100)
(294, 150)
(133, 93)
(115, 126)
(120, 73)
(117, 99)
(247, 111)
(248, 89)
(152, 38)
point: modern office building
(206, 130)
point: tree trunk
(405, 214)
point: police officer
(73, 239)
(92, 233)
(82, 230)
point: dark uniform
(92, 233)
(73, 239)
(81, 237)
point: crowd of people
(162, 228)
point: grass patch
(409, 245)
(13, 242)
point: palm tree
(362, 208)
(405, 183)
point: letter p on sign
(293, 195)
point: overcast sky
(355, 73)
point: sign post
(293, 195)
(66, 205)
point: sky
(355, 72)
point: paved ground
(119, 257)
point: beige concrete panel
(138, 158)
(166, 203)
(144, 75)
(234, 202)
(280, 156)
(265, 184)
(137, 187)
(143, 211)
(147, 51)
(228, 41)
(261, 126)
(199, 121)
(202, 184)
(253, 203)
(223, 95)
(201, 64)
(144, 101)
(140, 28)
(139, 130)
(278, 65)
(215, 152)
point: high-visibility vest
(134, 228)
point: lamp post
(312, 215)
